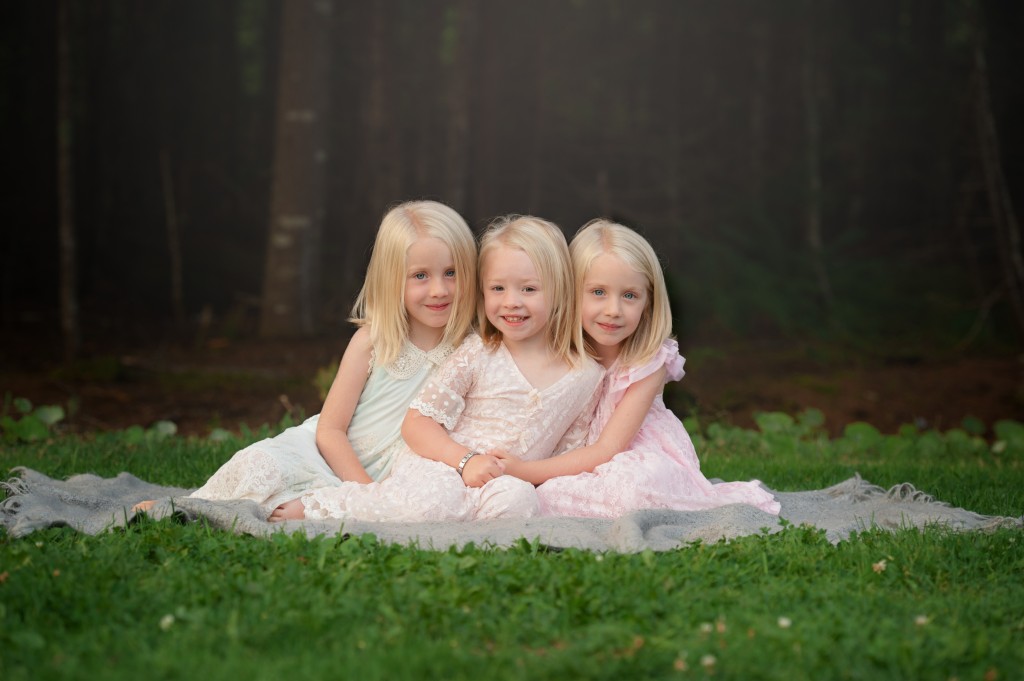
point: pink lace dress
(485, 403)
(660, 468)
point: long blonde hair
(599, 237)
(381, 302)
(544, 243)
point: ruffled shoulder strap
(620, 378)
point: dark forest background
(806, 169)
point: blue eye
(450, 274)
(420, 275)
(631, 296)
(598, 291)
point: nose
(511, 298)
(437, 287)
(612, 306)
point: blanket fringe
(856, 488)
(907, 492)
(14, 487)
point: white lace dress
(485, 403)
(279, 469)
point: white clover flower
(166, 622)
(706, 627)
(708, 661)
(922, 620)
(785, 623)
(879, 566)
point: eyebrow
(414, 267)
(599, 284)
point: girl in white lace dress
(416, 304)
(640, 455)
(522, 388)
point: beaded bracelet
(462, 464)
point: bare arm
(620, 430)
(332, 428)
(429, 439)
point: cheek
(638, 317)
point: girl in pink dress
(523, 388)
(640, 455)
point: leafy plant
(324, 377)
(27, 424)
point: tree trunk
(376, 186)
(69, 319)
(291, 279)
(463, 19)
(1004, 220)
(173, 240)
(538, 154)
(760, 42)
(812, 130)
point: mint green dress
(279, 469)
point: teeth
(513, 319)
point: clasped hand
(482, 468)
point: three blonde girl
(416, 429)
(522, 389)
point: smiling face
(429, 290)
(514, 299)
(613, 299)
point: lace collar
(411, 359)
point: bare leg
(289, 510)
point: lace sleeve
(442, 396)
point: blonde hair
(599, 237)
(381, 302)
(544, 243)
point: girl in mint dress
(416, 305)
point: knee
(507, 497)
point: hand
(512, 464)
(481, 469)
(143, 506)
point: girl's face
(514, 299)
(614, 297)
(429, 288)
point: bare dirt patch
(226, 383)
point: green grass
(163, 600)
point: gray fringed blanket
(92, 504)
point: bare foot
(143, 506)
(289, 510)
